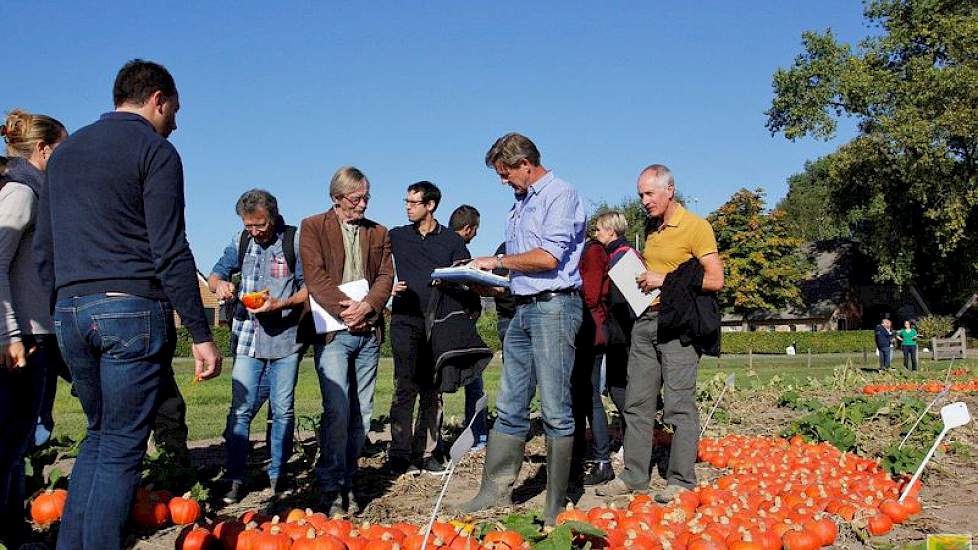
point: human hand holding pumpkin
(255, 300)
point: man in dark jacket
(112, 246)
(655, 357)
(884, 342)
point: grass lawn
(207, 402)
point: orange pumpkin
(503, 540)
(227, 532)
(184, 510)
(880, 524)
(254, 300)
(148, 512)
(274, 539)
(48, 506)
(195, 538)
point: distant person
(884, 342)
(545, 236)
(111, 244)
(341, 246)
(419, 248)
(683, 262)
(908, 343)
(465, 222)
(29, 355)
(263, 339)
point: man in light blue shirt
(544, 238)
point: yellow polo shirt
(685, 236)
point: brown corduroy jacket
(322, 252)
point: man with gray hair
(544, 240)
(263, 333)
(342, 246)
(659, 358)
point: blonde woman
(28, 350)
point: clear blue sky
(280, 94)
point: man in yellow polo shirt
(668, 365)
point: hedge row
(732, 342)
(848, 341)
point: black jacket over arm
(687, 312)
(460, 355)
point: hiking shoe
(433, 466)
(330, 503)
(601, 472)
(615, 488)
(667, 495)
(402, 466)
(236, 493)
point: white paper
(355, 290)
(623, 274)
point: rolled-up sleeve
(560, 227)
(228, 265)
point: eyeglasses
(409, 202)
(357, 199)
(257, 226)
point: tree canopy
(809, 211)
(762, 263)
(908, 182)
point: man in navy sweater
(111, 246)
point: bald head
(656, 190)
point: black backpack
(288, 246)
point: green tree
(908, 182)
(809, 212)
(762, 262)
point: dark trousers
(119, 349)
(413, 381)
(21, 394)
(170, 427)
(910, 357)
(886, 355)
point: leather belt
(545, 296)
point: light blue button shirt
(549, 217)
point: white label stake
(728, 384)
(953, 415)
(459, 449)
(943, 393)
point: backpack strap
(288, 246)
(243, 241)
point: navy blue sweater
(111, 219)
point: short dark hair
(257, 198)
(138, 80)
(464, 216)
(429, 191)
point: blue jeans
(117, 348)
(539, 348)
(886, 355)
(247, 378)
(347, 369)
(21, 392)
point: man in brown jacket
(341, 246)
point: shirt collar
(435, 231)
(677, 216)
(123, 115)
(539, 185)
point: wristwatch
(499, 261)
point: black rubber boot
(559, 454)
(504, 458)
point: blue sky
(279, 94)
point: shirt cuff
(200, 333)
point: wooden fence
(952, 347)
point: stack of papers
(623, 274)
(466, 274)
(356, 290)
